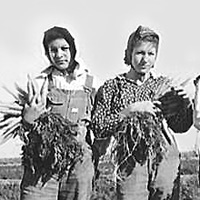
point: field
(190, 185)
(10, 176)
(11, 173)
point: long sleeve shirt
(116, 94)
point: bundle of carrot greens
(51, 147)
(142, 135)
(50, 144)
(11, 112)
(10, 120)
(139, 137)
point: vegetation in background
(11, 172)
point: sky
(101, 29)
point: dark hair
(56, 33)
(141, 34)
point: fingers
(32, 87)
(174, 95)
(156, 108)
(34, 101)
(47, 109)
(181, 93)
(152, 111)
(30, 90)
(36, 96)
(157, 103)
(44, 91)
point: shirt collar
(77, 72)
(123, 76)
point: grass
(10, 177)
(11, 173)
(190, 188)
(9, 189)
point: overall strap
(88, 87)
(50, 81)
(89, 81)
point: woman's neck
(139, 78)
(70, 71)
(57, 71)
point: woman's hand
(141, 106)
(37, 100)
(171, 102)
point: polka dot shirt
(116, 94)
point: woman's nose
(59, 53)
(145, 58)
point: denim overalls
(73, 105)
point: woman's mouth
(61, 62)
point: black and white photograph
(99, 100)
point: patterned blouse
(116, 94)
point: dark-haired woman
(136, 111)
(56, 157)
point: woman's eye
(52, 50)
(65, 48)
(151, 54)
(140, 53)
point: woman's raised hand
(37, 100)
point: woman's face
(59, 53)
(143, 57)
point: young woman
(136, 111)
(56, 157)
